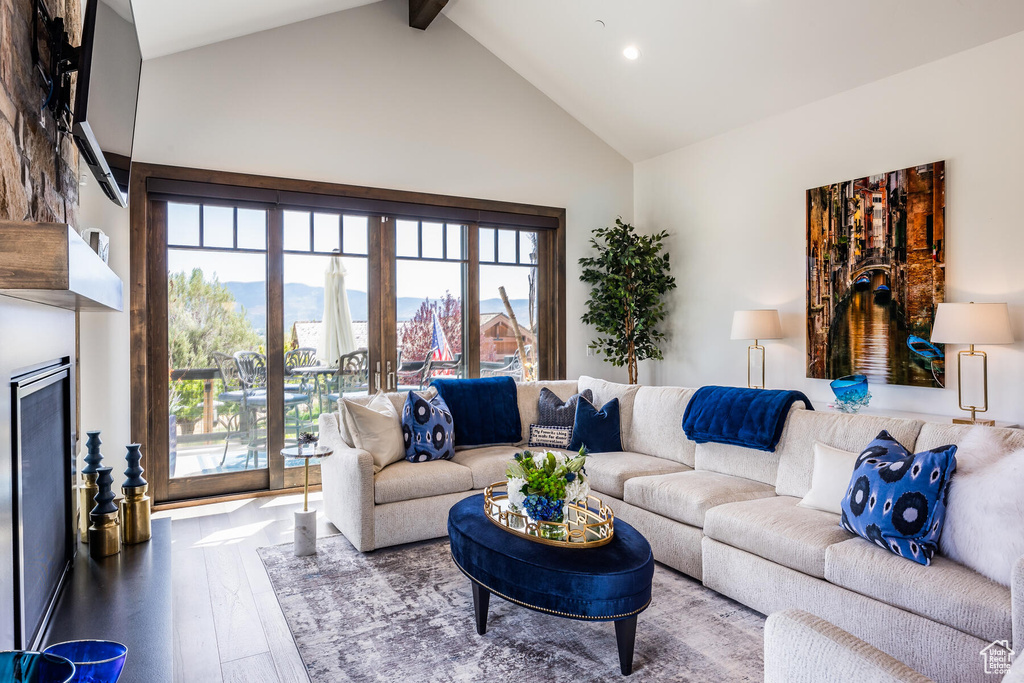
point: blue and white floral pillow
(897, 499)
(427, 428)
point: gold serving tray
(587, 526)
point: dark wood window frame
(152, 186)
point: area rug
(406, 614)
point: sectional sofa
(725, 515)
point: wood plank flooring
(228, 625)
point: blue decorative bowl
(851, 393)
(19, 666)
(96, 661)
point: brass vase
(104, 532)
(87, 489)
(135, 522)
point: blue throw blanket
(753, 418)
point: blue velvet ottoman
(608, 583)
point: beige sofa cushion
(802, 648)
(657, 427)
(608, 472)
(397, 399)
(936, 434)
(605, 391)
(487, 464)
(409, 480)
(946, 592)
(528, 393)
(376, 428)
(687, 496)
(847, 432)
(777, 529)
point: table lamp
(756, 325)
(972, 324)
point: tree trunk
(631, 348)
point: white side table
(305, 521)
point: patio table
(316, 372)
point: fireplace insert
(42, 483)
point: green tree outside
(201, 319)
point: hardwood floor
(227, 624)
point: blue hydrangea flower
(542, 508)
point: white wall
(104, 338)
(356, 97)
(735, 207)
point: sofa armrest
(347, 482)
(802, 648)
(1017, 604)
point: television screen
(107, 91)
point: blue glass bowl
(96, 661)
(19, 666)
(851, 393)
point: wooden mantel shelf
(50, 264)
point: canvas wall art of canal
(875, 275)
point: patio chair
(303, 357)
(252, 372)
(353, 374)
(432, 368)
(233, 394)
(513, 368)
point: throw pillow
(544, 436)
(427, 429)
(984, 527)
(596, 430)
(375, 428)
(485, 410)
(554, 412)
(830, 478)
(897, 499)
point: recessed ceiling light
(632, 53)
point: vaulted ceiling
(168, 26)
(705, 66)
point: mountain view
(303, 302)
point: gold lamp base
(974, 410)
(753, 349)
(969, 421)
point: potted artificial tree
(629, 276)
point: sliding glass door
(266, 309)
(216, 308)
(326, 329)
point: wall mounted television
(107, 93)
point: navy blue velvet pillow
(485, 410)
(427, 429)
(596, 430)
(897, 499)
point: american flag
(439, 345)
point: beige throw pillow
(376, 428)
(830, 479)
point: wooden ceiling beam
(422, 12)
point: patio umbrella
(336, 337)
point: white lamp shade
(972, 324)
(764, 324)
